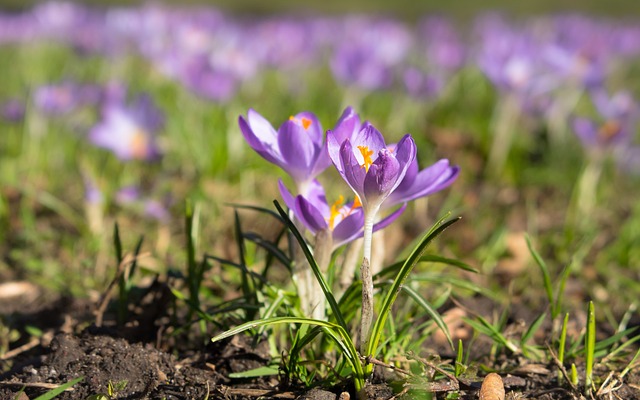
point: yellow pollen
(366, 154)
(609, 130)
(335, 211)
(356, 203)
(139, 144)
(305, 122)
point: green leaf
(431, 311)
(406, 268)
(449, 261)
(543, 268)
(334, 331)
(533, 328)
(256, 372)
(54, 392)
(590, 347)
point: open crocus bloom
(296, 146)
(345, 221)
(368, 166)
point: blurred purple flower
(127, 195)
(12, 110)
(65, 97)
(369, 51)
(422, 85)
(443, 48)
(619, 115)
(296, 147)
(344, 221)
(156, 210)
(92, 193)
(129, 131)
(368, 166)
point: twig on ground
(39, 385)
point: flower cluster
(381, 176)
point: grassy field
(120, 138)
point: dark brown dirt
(145, 361)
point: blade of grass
(55, 392)
(562, 344)
(314, 266)
(406, 268)
(431, 312)
(543, 268)
(590, 348)
(339, 335)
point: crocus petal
(370, 138)
(314, 129)
(268, 148)
(349, 228)
(347, 126)
(310, 216)
(297, 149)
(586, 130)
(288, 198)
(333, 150)
(428, 181)
(353, 172)
(382, 177)
(314, 193)
(405, 151)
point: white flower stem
(367, 281)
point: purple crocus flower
(619, 116)
(418, 184)
(345, 221)
(368, 166)
(129, 130)
(12, 110)
(296, 146)
(65, 97)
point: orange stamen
(335, 211)
(609, 130)
(305, 122)
(366, 155)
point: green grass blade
(335, 331)
(256, 208)
(459, 367)
(562, 283)
(435, 315)
(117, 243)
(55, 392)
(271, 249)
(449, 261)
(562, 343)
(483, 326)
(533, 328)
(590, 347)
(406, 268)
(256, 372)
(543, 268)
(314, 266)
(247, 281)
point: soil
(146, 360)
